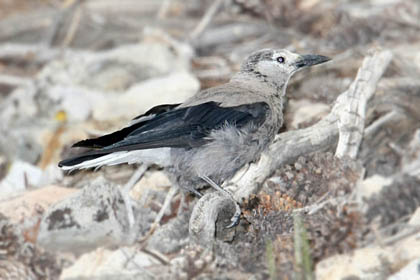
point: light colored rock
(28, 203)
(172, 236)
(93, 217)
(119, 83)
(360, 264)
(370, 263)
(117, 69)
(20, 176)
(371, 186)
(77, 102)
(405, 250)
(124, 263)
(410, 271)
(174, 88)
(20, 143)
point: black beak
(311, 59)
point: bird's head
(278, 66)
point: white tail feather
(160, 156)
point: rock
(172, 236)
(361, 263)
(21, 142)
(370, 263)
(371, 186)
(173, 88)
(118, 83)
(25, 205)
(124, 263)
(76, 102)
(117, 69)
(410, 271)
(20, 176)
(93, 217)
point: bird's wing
(184, 127)
(137, 122)
(189, 126)
(181, 127)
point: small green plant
(303, 259)
(271, 259)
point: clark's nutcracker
(209, 137)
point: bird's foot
(197, 193)
(236, 217)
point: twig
(58, 21)
(172, 192)
(402, 235)
(381, 122)
(130, 259)
(135, 178)
(208, 16)
(157, 255)
(74, 25)
(163, 10)
(125, 192)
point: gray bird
(209, 137)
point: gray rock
(410, 271)
(124, 263)
(95, 216)
(172, 236)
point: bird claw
(235, 221)
(236, 217)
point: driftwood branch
(352, 104)
(345, 122)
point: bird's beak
(310, 59)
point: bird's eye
(280, 59)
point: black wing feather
(188, 127)
(185, 127)
(116, 136)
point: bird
(209, 137)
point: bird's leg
(237, 215)
(125, 192)
(197, 193)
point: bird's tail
(96, 159)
